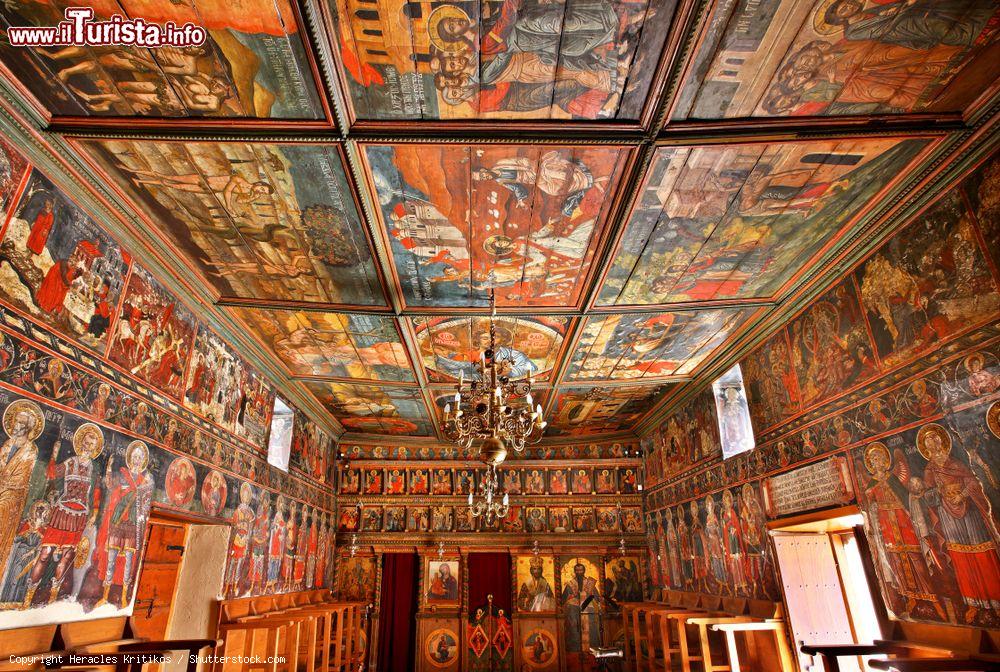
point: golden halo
(24, 406)
(129, 452)
(993, 418)
(82, 432)
(434, 26)
(877, 447)
(932, 428)
(820, 24)
(974, 357)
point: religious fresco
(368, 409)
(580, 411)
(523, 219)
(83, 564)
(312, 448)
(717, 544)
(261, 221)
(252, 65)
(223, 388)
(12, 169)
(738, 221)
(450, 347)
(56, 263)
(831, 58)
(628, 347)
(500, 60)
(931, 496)
(926, 284)
(154, 334)
(687, 438)
(334, 345)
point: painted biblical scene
(312, 448)
(931, 496)
(503, 59)
(628, 347)
(983, 191)
(738, 221)
(579, 411)
(375, 410)
(687, 438)
(831, 350)
(334, 345)
(12, 169)
(58, 265)
(622, 580)
(223, 388)
(928, 282)
(838, 57)
(536, 583)
(718, 545)
(154, 335)
(450, 347)
(253, 63)
(262, 221)
(523, 219)
(356, 579)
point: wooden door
(157, 579)
(814, 595)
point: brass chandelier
(494, 409)
(493, 504)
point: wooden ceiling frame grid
(653, 131)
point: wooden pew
(832, 653)
(672, 632)
(310, 630)
(763, 626)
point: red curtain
(489, 574)
(397, 613)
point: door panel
(157, 580)
(816, 608)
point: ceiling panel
(581, 411)
(791, 58)
(336, 345)
(253, 65)
(738, 221)
(450, 346)
(525, 219)
(265, 221)
(499, 60)
(630, 347)
(370, 409)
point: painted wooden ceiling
(644, 183)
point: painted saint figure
(23, 422)
(536, 594)
(76, 506)
(121, 533)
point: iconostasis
(574, 531)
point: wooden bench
(309, 630)
(894, 649)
